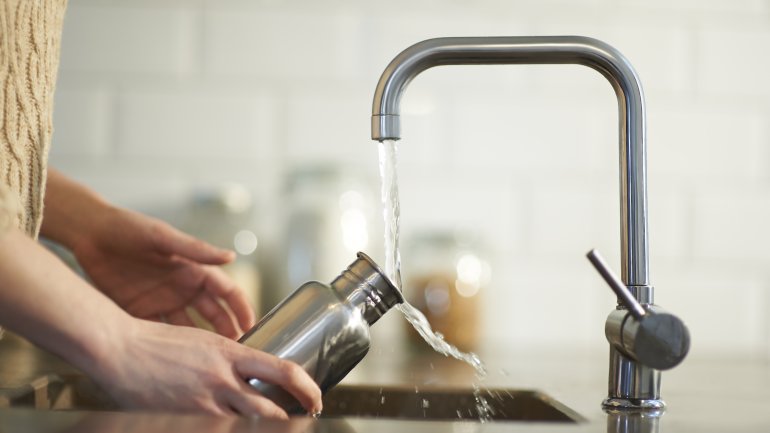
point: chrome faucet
(634, 381)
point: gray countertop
(703, 395)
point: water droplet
(436, 340)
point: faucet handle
(617, 286)
(651, 336)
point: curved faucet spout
(544, 50)
(631, 383)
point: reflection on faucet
(632, 384)
(633, 421)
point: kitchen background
(252, 118)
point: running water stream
(392, 213)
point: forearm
(71, 210)
(141, 364)
(41, 299)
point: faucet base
(633, 403)
(632, 384)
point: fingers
(247, 402)
(171, 241)
(285, 374)
(223, 323)
(218, 300)
(221, 286)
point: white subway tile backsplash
(532, 135)
(711, 144)
(730, 61)
(122, 39)
(328, 126)
(283, 44)
(196, 123)
(568, 218)
(720, 6)
(83, 122)
(731, 225)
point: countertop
(704, 395)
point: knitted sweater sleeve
(9, 206)
(30, 35)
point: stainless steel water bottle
(324, 328)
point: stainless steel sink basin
(360, 401)
(444, 404)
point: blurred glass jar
(224, 216)
(329, 217)
(444, 278)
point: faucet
(643, 338)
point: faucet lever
(617, 286)
(653, 337)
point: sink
(359, 401)
(443, 404)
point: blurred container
(224, 216)
(445, 278)
(329, 217)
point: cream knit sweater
(30, 36)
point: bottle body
(317, 330)
(323, 328)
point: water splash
(437, 341)
(392, 215)
(483, 409)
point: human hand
(161, 367)
(141, 364)
(155, 272)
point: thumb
(174, 242)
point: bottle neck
(367, 288)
